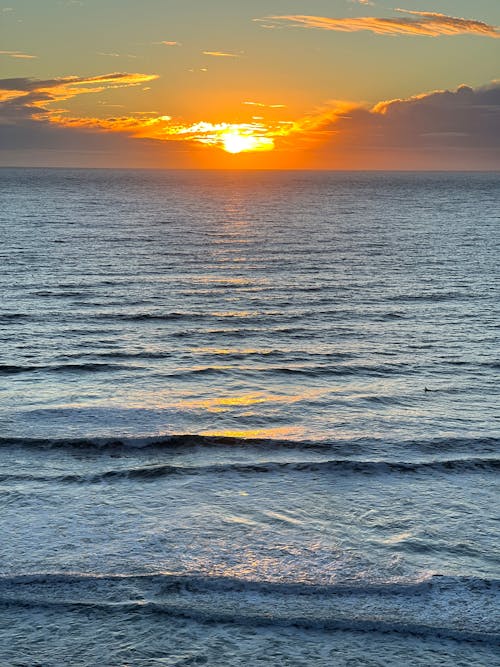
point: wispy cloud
(34, 98)
(261, 105)
(221, 54)
(166, 42)
(116, 55)
(106, 104)
(429, 24)
(17, 54)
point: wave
(426, 607)
(293, 356)
(342, 466)
(467, 445)
(323, 370)
(301, 370)
(7, 318)
(431, 296)
(6, 369)
(380, 370)
(118, 354)
(145, 317)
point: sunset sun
(235, 142)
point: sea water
(248, 418)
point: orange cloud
(221, 54)
(421, 23)
(231, 137)
(261, 105)
(31, 97)
(6, 95)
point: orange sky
(251, 87)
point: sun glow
(254, 136)
(234, 141)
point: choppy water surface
(248, 418)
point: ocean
(249, 418)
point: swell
(423, 608)
(267, 620)
(312, 370)
(6, 369)
(339, 466)
(8, 318)
(466, 445)
(204, 583)
(432, 296)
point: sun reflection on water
(276, 433)
(225, 403)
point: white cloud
(18, 54)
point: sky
(260, 84)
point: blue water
(248, 418)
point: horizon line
(256, 169)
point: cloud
(31, 101)
(441, 129)
(33, 98)
(418, 23)
(261, 105)
(17, 54)
(116, 55)
(221, 54)
(166, 129)
(34, 131)
(168, 43)
(438, 130)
